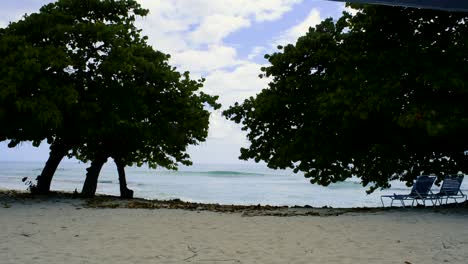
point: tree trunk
(57, 152)
(124, 191)
(90, 184)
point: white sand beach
(65, 231)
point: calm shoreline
(113, 202)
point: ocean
(241, 184)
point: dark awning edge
(447, 5)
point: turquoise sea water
(209, 183)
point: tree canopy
(80, 75)
(380, 95)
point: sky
(223, 41)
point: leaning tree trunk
(57, 152)
(124, 191)
(90, 184)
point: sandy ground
(64, 231)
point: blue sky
(223, 41)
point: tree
(150, 117)
(379, 95)
(66, 39)
(113, 95)
(35, 93)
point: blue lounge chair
(450, 189)
(421, 191)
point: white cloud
(292, 34)
(193, 32)
(236, 85)
(3, 23)
(223, 143)
(257, 50)
(178, 25)
(225, 137)
(203, 61)
(221, 128)
(259, 10)
(213, 29)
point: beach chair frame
(450, 189)
(421, 191)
